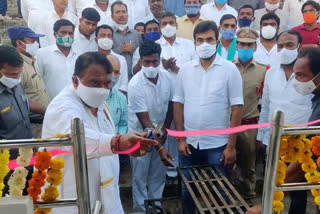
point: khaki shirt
(252, 77)
(186, 27)
(32, 83)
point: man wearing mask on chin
(227, 45)
(266, 52)
(25, 42)
(188, 22)
(310, 29)
(208, 95)
(104, 39)
(85, 99)
(149, 95)
(272, 6)
(245, 16)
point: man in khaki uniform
(25, 42)
(252, 75)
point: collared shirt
(81, 44)
(47, 23)
(237, 4)
(145, 96)
(279, 93)
(99, 132)
(252, 76)
(308, 37)
(55, 68)
(14, 113)
(283, 15)
(105, 16)
(211, 12)
(32, 83)
(262, 56)
(131, 37)
(186, 27)
(208, 96)
(150, 17)
(117, 103)
(176, 7)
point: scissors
(153, 134)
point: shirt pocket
(216, 91)
(10, 116)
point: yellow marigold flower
(313, 177)
(306, 167)
(57, 163)
(315, 192)
(56, 174)
(305, 157)
(284, 143)
(1, 187)
(54, 181)
(278, 206)
(281, 166)
(51, 193)
(278, 196)
(317, 200)
(42, 211)
(307, 143)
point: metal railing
(277, 130)
(77, 141)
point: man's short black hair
(118, 3)
(313, 56)
(269, 16)
(204, 27)
(168, 14)
(148, 48)
(60, 23)
(150, 22)
(91, 58)
(139, 24)
(10, 56)
(226, 17)
(245, 7)
(292, 32)
(91, 14)
(313, 4)
(103, 27)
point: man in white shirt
(76, 6)
(84, 99)
(55, 63)
(156, 8)
(84, 35)
(215, 10)
(266, 52)
(102, 6)
(46, 26)
(208, 95)
(149, 94)
(272, 6)
(104, 40)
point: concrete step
(4, 24)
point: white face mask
(288, 56)
(268, 32)
(151, 72)
(121, 27)
(169, 31)
(9, 82)
(304, 88)
(205, 50)
(105, 43)
(32, 48)
(93, 97)
(271, 7)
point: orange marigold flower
(315, 140)
(37, 175)
(42, 160)
(318, 161)
(316, 150)
(37, 183)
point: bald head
(115, 65)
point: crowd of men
(133, 66)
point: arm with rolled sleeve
(137, 100)
(178, 95)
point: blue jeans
(3, 7)
(200, 157)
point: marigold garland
(4, 170)
(17, 181)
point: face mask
(153, 36)
(309, 18)
(150, 72)
(206, 51)
(192, 9)
(93, 97)
(288, 56)
(221, 2)
(228, 34)
(65, 42)
(244, 22)
(121, 27)
(268, 32)
(114, 80)
(305, 88)
(9, 82)
(105, 44)
(272, 7)
(169, 31)
(245, 54)
(32, 48)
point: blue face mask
(153, 36)
(244, 22)
(114, 80)
(192, 9)
(228, 34)
(221, 2)
(245, 54)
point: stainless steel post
(80, 166)
(97, 208)
(272, 160)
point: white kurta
(99, 132)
